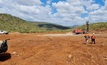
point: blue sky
(63, 12)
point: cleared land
(45, 49)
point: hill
(50, 26)
(100, 26)
(15, 24)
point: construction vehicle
(80, 31)
(77, 31)
(3, 32)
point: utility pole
(87, 26)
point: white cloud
(93, 7)
(69, 12)
(1, 1)
(48, 2)
(105, 6)
(75, 2)
(28, 2)
(90, 4)
(26, 11)
(99, 15)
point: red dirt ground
(31, 49)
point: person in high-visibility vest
(87, 36)
(93, 38)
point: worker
(93, 38)
(87, 36)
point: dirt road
(37, 49)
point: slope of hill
(101, 26)
(50, 26)
(15, 24)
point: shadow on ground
(5, 56)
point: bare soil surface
(53, 49)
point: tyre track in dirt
(37, 49)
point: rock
(14, 53)
(69, 56)
(105, 58)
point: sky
(62, 12)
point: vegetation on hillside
(95, 26)
(15, 24)
(50, 26)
